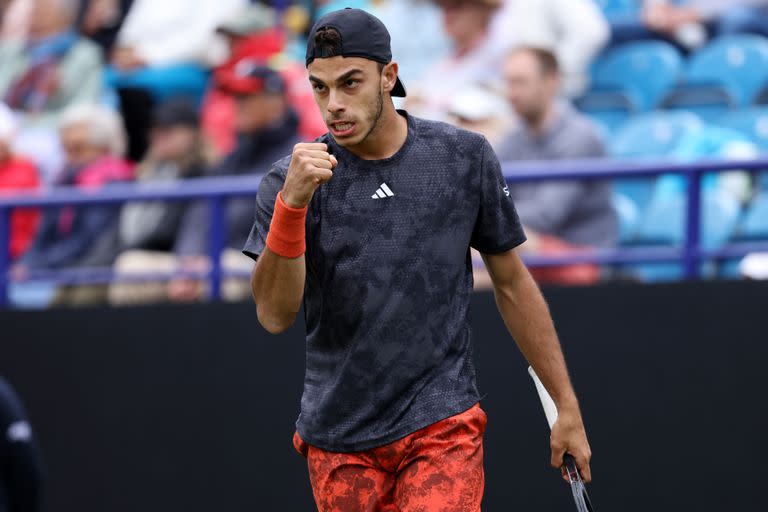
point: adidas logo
(382, 192)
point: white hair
(105, 126)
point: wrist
(287, 230)
(291, 201)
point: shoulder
(581, 128)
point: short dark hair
(328, 44)
(546, 58)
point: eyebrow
(343, 78)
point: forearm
(527, 318)
(278, 288)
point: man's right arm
(278, 288)
(278, 278)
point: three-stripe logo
(383, 192)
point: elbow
(274, 323)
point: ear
(389, 76)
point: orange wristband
(287, 231)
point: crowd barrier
(218, 190)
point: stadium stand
(630, 79)
(729, 72)
(652, 100)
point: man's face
(171, 143)
(257, 111)
(78, 148)
(349, 92)
(463, 20)
(529, 89)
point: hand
(311, 166)
(569, 436)
(658, 17)
(187, 288)
(125, 58)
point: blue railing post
(5, 254)
(216, 234)
(693, 221)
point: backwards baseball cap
(362, 35)
(249, 76)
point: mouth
(342, 129)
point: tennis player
(370, 229)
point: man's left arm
(527, 317)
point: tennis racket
(579, 490)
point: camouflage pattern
(436, 469)
(389, 282)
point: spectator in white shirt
(483, 31)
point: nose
(335, 104)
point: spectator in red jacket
(16, 175)
(253, 35)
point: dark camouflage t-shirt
(389, 280)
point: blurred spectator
(93, 140)
(482, 110)
(483, 31)
(267, 131)
(20, 466)
(474, 57)
(165, 49)
(559, 216)
(418, 37)
(100, 20)
(574, 30)
(16, 175)
(175, 153)
(686, 22)
(252, 33)
(690, 23)
(55, 68)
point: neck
(386, 139)
(469, 44)
(543, 122)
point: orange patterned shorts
(436, 469)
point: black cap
(362, 35)
(175, 111)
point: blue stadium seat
(755, 223)
(650, 135)
(629, 216)
(664, 224)
(750, 121)
(654, 134)
(729, 72)
(633, 77)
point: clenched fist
(311, 166)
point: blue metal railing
(218, 190)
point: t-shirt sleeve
(270, 185)
(497, 228)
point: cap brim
(399, 89)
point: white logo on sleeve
(19, 432)
(506, 190)
(382, 192)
